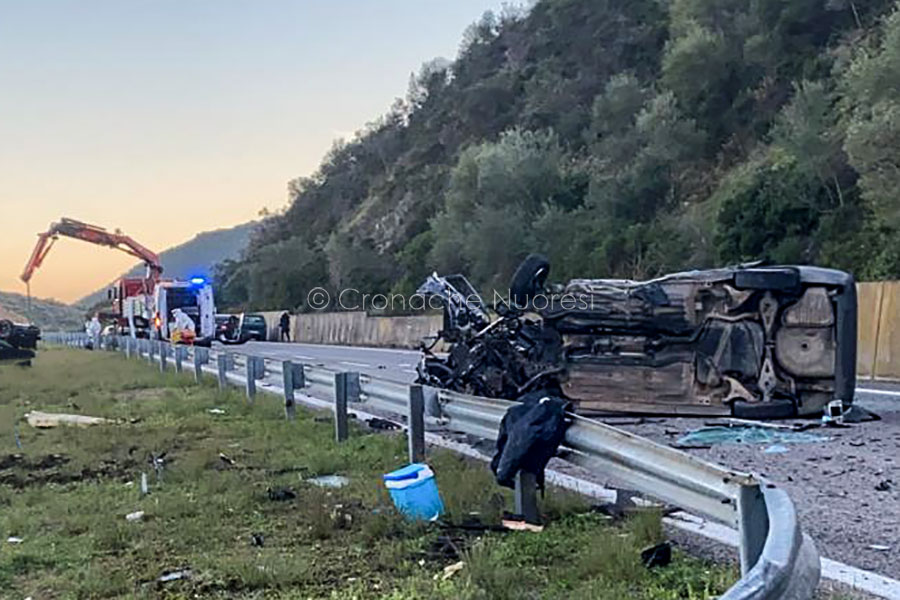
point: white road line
(304, 357)
(413, 371)
(879, 392)
(354, 364)
(404, 365)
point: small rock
(137, 515)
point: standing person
(93, 329)
(285, 324)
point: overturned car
(751, 341)
(18, 341)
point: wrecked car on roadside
(18, 341)
(750, 341)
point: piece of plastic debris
(748, 435)
(257, 540)
(775, 449)
(833, 413)
(879, 547)
(414, 492)
(145, 489)
(884, 485)
(451, 570)
(329, 481)
(42, 420)
(216, 411)
(226, 459)
(14, 540)
(521, 525)
(129, 483)
(382, 424)
(174, 576)
(137, 515)
(659, 555)
(281, 494)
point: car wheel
(6, 329)
(529, 279)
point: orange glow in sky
(169, 118)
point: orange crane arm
(95, 235)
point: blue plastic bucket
(414, 492)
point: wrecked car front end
(18, 341)
(758, 342)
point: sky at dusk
(165, 118)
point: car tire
(529, 279)
(6, 329)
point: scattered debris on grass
(174, 576)
(281, 494)
(521, 525)
(216, 411)
(329, 481)
(14, 540)
(42, 420)
(257, 540)
(451, 570)
(382, 424)
(137, 515)
(659, 555)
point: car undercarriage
(751, 341)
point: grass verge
(66, 491)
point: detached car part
(751, 341)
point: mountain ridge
(194, 258)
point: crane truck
(148, 306)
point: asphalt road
(846, 486)
(386, 363)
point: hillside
(47, 314)
(622, 138)
(193, 258)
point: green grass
(67, 490)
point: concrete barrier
(878, 351)
(356, 328)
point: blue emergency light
(198, 280)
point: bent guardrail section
(778, 561)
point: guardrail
(778, 561)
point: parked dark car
(18, 341)
(254, 327)
(751, 341)
(238, 329)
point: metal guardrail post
(526, 496)
(179, 358)
(222, 365)
(250, 386)
(346, 390)
(259, 368)
(201, 357)
(753, 525)
(293, 379)
(163, 356)
(416, 424)
(128, 347)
